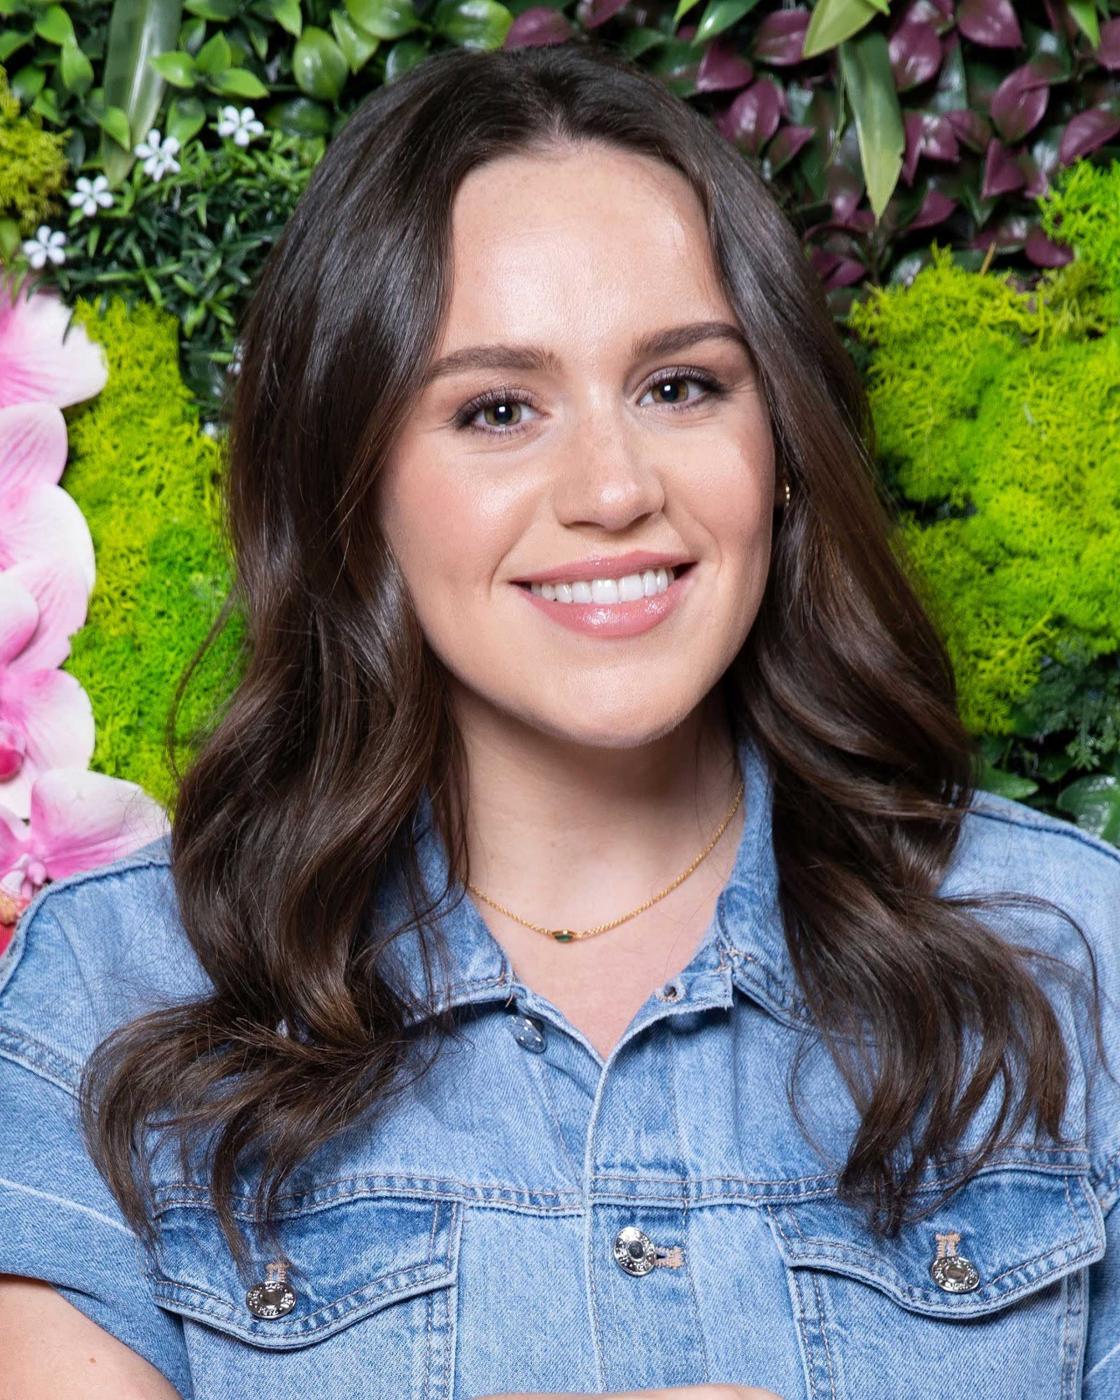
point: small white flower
(90, 194)
(158, 154)
(45, 245)
(242, 126)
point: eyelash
(502, 395)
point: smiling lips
(611, 607)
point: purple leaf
(539, 25)
(1085, 132)
(786, 145)
(971, 127)
(1019, 103)
(990, 22)
(596, 12)
(722, 69)
(1044, 252)
(1008, 232)
(935, 209)
(753, 117)
(927, 134)
(926, 12)
(915, 53)
(834, 270)
(1001, 172)
(1109, 52)
(780, 37)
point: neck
(572, 835)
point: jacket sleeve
(1102, 1347)
(58, 1220)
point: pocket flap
(345, 1259)
(1020, 1230)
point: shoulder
(90, 952)
(1007, 846)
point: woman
(590, 734)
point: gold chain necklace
(567, 935)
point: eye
(505, 400)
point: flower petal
(19, 617)
(54, 714)
(44, 513)
(60, 590)
(33, 445)
(81, 819)
(37, 363)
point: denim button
(634, 1250)
(951, 1271)
(270, 1299)
(670, 991)
(528, 1033)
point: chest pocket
(373, 1312)
(873, 1319)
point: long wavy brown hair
(301, 795)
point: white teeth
(628, 589)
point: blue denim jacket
(532, 1218)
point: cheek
(448, 528)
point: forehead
(575, 238)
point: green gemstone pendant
(562, 935)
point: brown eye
(502, 412)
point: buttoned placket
(635, 1254)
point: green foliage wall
(33, 169)
(146, 478)
(998, 415)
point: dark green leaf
(285, 12)
(114, 123)
(178, 68)
(219, 10)
(299, 116)
(185, 118)
(138, 31)
(215, 56)
(55, 26)
(866, 67)
(75, 68)
(405, 54)
(833, 21)
(387, 19)
(1005, 784)
(720, 15)
(10, 42)
(1094, 803)
(237, 82)
(357, 46)
(28, 82)
(318, 65)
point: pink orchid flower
(79, 820)
(38, 519)
(46, 720)
(39, 361)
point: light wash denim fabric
(466, 1244)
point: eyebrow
(535, 358)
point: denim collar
(743, 946)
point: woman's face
(622, 418)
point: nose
(610, 478)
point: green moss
(32, 164)
(146, 477)
(998, 415)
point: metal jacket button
(273, 1297)
(950, 1270)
